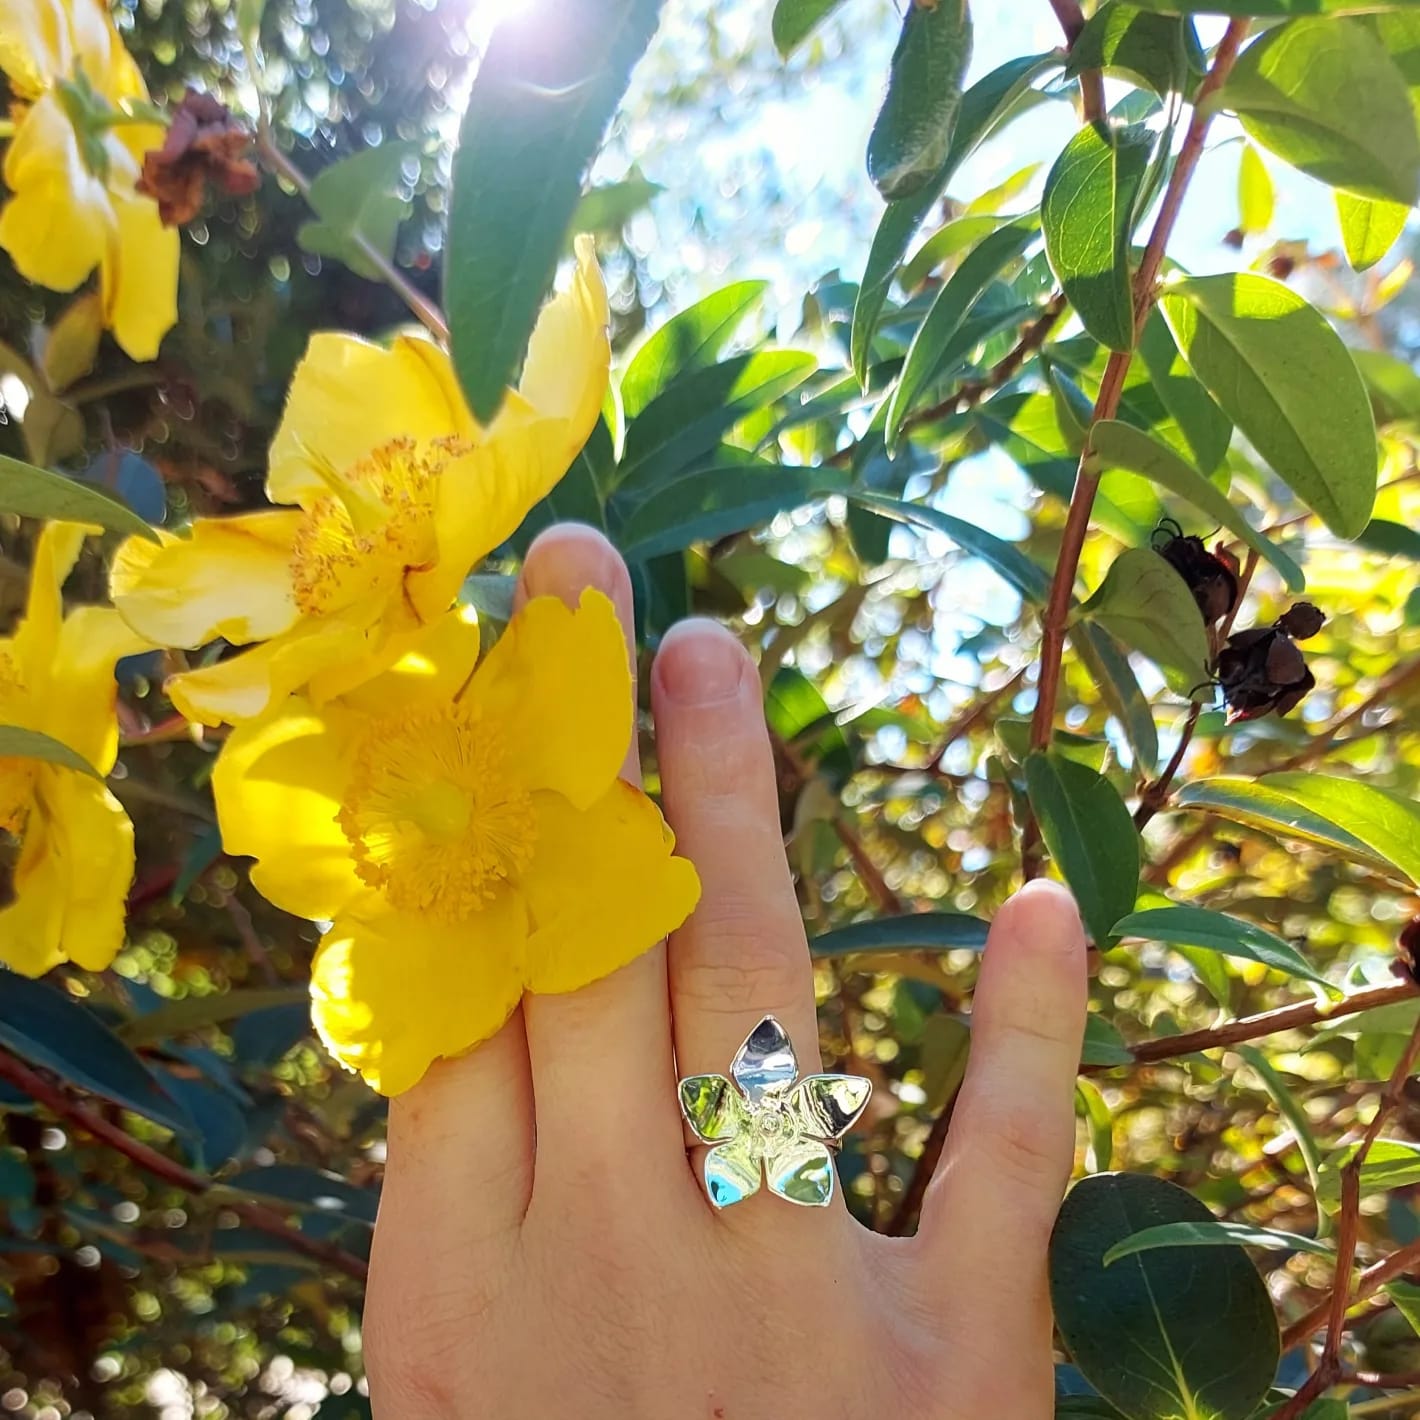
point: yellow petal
(72, 880)
(34, 43)
(57, 224)
(602, 888)
(231, 577)
(348, 397)
(278, 784)
(558, 686)
(347, 648)
(140, 276)
(55, 553)
(391, 993)
(82, 692)
(432, 664)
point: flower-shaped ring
(761, 1124)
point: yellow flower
(464, 831)
(73, 163)
(398, 492)
(75, 859)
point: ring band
(761, 1125)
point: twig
(281, 163)
(1367, 1285)
(1303, 1013)
(910, 1206)
(1072, 22)
(1319, 744)
(969, 719)
(64, 1106)
(1077, 520)
(868, 871)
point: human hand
(544, 1245)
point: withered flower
(1212, 577)
(1262, 670)
(204, 144)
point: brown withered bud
(1407, 952)
(1234, 239)
(204, 144)
(1262, 669)
(1281, 266)
(1212, 577)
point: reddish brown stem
(79, 1115)
(1072, 22)
(910, 1208)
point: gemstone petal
(765, 1063)
(732, 1173)
(802, 1172)
(826, 1106)
(712, 1107)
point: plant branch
(282, 164)
(910, 1207)
(1072, 22)
(79, 1115)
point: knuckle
(1031, 1149)
(739, 963)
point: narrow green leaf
(31, 492)
(1327, 98)
(691, 340)
(16, 742)
(1074, 410)
(355, 199)
(195, 1012)
(714, 502)
(1270, 9)
(984, 107)
(1200, 927)
(1147, 49)
(1004, 557)
(913, 130)
(1263, 807)
(949, 240)
(690, 416)
(1120, 445)
(1088, 214)
(1214, 1234)
(1091, 1104)
(1118, 686)
(1393, 539)
(1256, 196)
(1392, 384)
(795, 20)
(1102, 1044)
(1406, 1296)
(912, 932)
(1290, 1110)
(1170, 1334)
(1391, 1163)
(607, 208)
(1148, 606)
(545, 91)
(951, 307)
(1387, 824)
(1369, 227)
(1286, 380)
(1090, 835)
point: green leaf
(609, 207)
(1004, 557)
(1369, 227)
(1393, 539)
(1146, 48)
(984, 107)
(1283, 376)
(1270, 9)
(1148, 606)
(1212, 1234)
(1090, 835)
(1260, 806)
(795, 20)
(1406, 1296)
(31, 492)
(1200, 927)
(46, 1027)
(950, 308)
(1203, 429)
(1387, 824)
(1103, 1045)
(1091, 1104)
(16, 742)
(1119, 688)
(1327, 98)
(693, 412)
(1392, 384)
(305, 1187)
(1088, 214)
(1257, 197)
(195, 1012)
(912, 932)
(913, 130)
(947, 241)
(1172, 1334)
(355, 200)
(547, 87)
(714, 502)
(1291, 1110)
(1120, 445)
(1391, 1163)
(691, 340)
(1074, 410)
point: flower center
(17, 774)
(769, 1126)
(436, 820)
(375, 526)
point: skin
(546, 1250)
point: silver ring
(760, 1124)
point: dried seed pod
(1212, 577)
(204, 144)
(1262, 670)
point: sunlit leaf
(1216, 932)
(1369, 227)
(1212, 1234)
(1256, 194)
(358, 205)
(32, 492)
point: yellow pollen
(436, 819)
(373, 528)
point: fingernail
(565, 559)
(699, 663)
